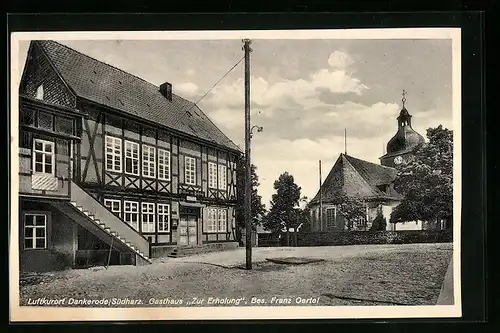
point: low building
(114, 169)
(355, 178)
(370, 182)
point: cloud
(335, 79)
(186, 89)
(340, 60)
(285, 92)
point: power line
(209, 90)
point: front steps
(112, 233)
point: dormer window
(39, 92)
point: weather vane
(404, 97)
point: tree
(426, 180)
(284, 212)
(379, 223)
(351, 208)
(257, 208)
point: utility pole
(320, 200)
(345, 141)
(248, 178)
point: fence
(379, 237)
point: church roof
(355, 177)
(106, 85)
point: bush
(375, 237)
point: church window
(331, 214)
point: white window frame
(334, 216)
(189, 173)
(34, 228)
(128, 213)
(109, 203)
(212, 220)
(163, 164)
(222, 177)
(212, 175)
(163, 220)
(148, 217)
(115, 155)
(148, 161)
(222, 220)
(129, 155)
(51, 154)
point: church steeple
(404, 118)
(405, 141)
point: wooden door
(188, 230)
(192, 230)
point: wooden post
(248, 178)
(320, 200)
(110, 249)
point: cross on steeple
(404, 97)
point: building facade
(113, 167)
(370, 182)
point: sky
(304, 93)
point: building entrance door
(188, 230)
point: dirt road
(348, 275)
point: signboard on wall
(175, 210)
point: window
(222, 177)
(131, 158)
(212, 175)
(35, 231)
(330, 217)
(45, 121)
(148, 161)
(43, 156)
(39, 92)
(64, 125)
(222, 220)
(190, 170)
(115, 206)
(27, 117)
(216, 220)
(148, 217)
(163, 218)
(131, 213)
(113, 154)
(211, 225)
(163, 164)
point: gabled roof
(109, 86)
(374, 174)
(354, 177)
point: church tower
(404, 142)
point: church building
(373, 183)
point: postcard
(285, 174)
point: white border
(44, 314)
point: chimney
(166, 90)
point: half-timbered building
(114, 169)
